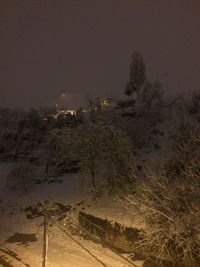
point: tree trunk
(47, 168)
(93, 177)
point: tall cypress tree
(137, 74)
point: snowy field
(62, 250)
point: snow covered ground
(62, 250)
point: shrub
(184, 144)
(169, 203)
(171, 213)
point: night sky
(84, 46)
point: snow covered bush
(171, 214)
(184, 142)
(168, 204)
(21, 177)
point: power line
(82, 246)
(46, 215)
(101, 242)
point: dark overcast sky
(84, 46)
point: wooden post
(45, 241)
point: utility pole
(45, 240)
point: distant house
(65, 112)
(108, 102)
(71, 112)
(60, 113)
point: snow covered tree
(195, 103)
(61, 150)
(103, 152)
(106, 155)
(184, 136)
(137, 74)
(151, 93)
